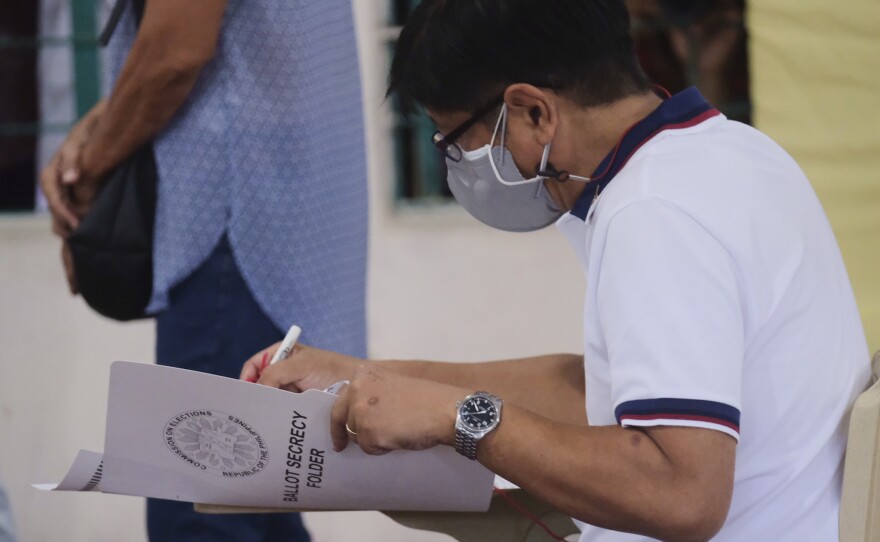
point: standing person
(255, 111)
(722, 344)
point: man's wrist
(477, 415)
(91, 170)
(449, 407)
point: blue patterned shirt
(269, 150)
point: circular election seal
(216, 442)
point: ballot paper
(188, 436)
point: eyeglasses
(447, 144)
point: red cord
(522, 510)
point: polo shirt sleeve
(671, 314)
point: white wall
(54, 370)
(441, 286)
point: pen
(283, 351)
(287, 344)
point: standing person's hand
(70, 190)
(306, 368)
(381, 410)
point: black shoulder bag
(112, 248)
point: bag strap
(116, 14)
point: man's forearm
(671, 483)
(149, 91)
(174, 42)
(551, 385)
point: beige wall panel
(815, 90)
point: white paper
(188, 436)
(84, 475)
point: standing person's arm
(174, 42)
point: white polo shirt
(717, 298)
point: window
(18, 104)
(30, 119)
(420, 171)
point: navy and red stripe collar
(685, 109)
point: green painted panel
(86, 62)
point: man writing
(722, 344)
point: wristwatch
(478, 414)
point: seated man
(722, 344)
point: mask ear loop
(502, 123)
(547, 171)
(545, 157)
(541, 174)
(503, 119)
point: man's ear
(535, 108)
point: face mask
(487, 183)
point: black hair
(456, 55)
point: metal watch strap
(465, 444)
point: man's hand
(306, 368)
(68, 189)
(389, 411)
(64, 220)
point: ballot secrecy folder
(194, 437)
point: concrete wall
(441, 286)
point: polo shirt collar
(685, 109)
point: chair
(860, 504)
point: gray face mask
(519, 208)
(487, 183)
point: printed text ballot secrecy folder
(188, 436)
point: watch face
(479, 413)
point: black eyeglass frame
(447, 144)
